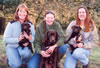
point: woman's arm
(93, 41)
(7, 38)
(61, 36)
(37, 41)
(69, 29)
(33, 33)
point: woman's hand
(21, 37)
(75, 45)
(44, 54)
(28, 37)
(51, 48)
(80, 45)
(80, 38)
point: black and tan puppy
(25, 27)
(50, 39)
(75, 34)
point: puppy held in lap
(75, 38)
(25, 29)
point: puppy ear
(45, 38)
(80, 28)
(56, 35)
(22, 25)
(29, 25)
(47, 34)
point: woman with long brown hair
(12, 36)
(89, 37)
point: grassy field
(94, 58)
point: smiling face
(83, 18)
(22, 14)
(82, 14)
(49, 19)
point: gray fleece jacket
(89, 38)
(12, 33)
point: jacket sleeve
(61, 36)
(33, 33)
(7, 38)
(37, 41)
(93, 41)
(69, 30)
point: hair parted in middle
(88, 21)
(21, 6)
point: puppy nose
(53, 40)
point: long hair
(88, 21)
(23, 6)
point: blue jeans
(35, 60)
(18, 56)
(80, 54)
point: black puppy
(50, 39)
(25, 27)
(75, 33)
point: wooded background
(65, 10)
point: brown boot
(87, 66)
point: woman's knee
(32, 65)
(70, 62)
(15, 64)
(62, 49)
(77, 52)
(14, 60)
(34, 61)
(27, 55)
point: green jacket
(40, 34)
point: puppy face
(25, 27)
(75, 33)
(76, 29)
(52, 36)
(50, 39)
